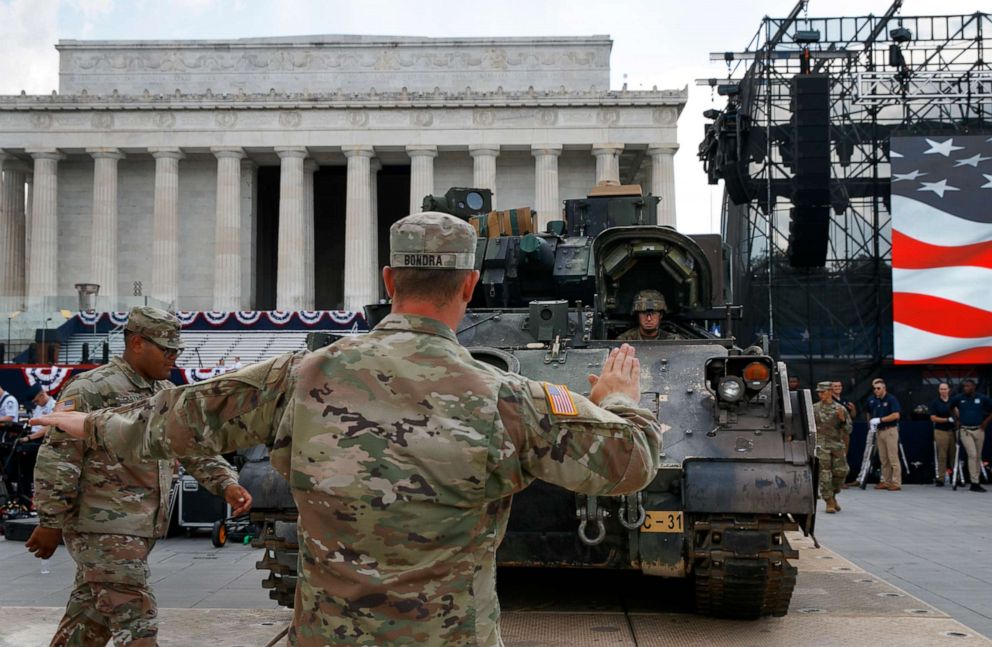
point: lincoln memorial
(263, 173)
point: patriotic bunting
(248, 318)
(216, 318)
(340, 320)
(50, 378)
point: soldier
(109, 514)
(833, 422)
(650, 308)
(403, 451)
(837, 390)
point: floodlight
(807, 36)
(901, 35)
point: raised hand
(621, 374)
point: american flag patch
(66, 405)
(560, 400)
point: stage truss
(841, 313)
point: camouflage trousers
(833, 469)
(111, 597)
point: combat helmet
(649, 300)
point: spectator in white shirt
(43, 405)
(8, 407)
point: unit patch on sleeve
(66, 405)
(560, 400)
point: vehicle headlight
(731, 388)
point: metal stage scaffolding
(915, 75)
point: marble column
(103, 230)
(29, 191)
(227, 229)
(484, 167)
(249, 232)
(290, 280)
(43, 272)
(546, 201)
(165, 225)
(309, 168)
(663, 180)
(360, 280)
(374, 167)
(11, 227)
(607, 162)
(421, 174)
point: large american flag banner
(942, 249)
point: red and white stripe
(941, 278)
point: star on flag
(942, 148)
(912, 175)
(937, 187)
(974, 161)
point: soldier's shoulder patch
(560, 400)
(66, 405)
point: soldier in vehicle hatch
(649, 308)
(402, 451)
(110, 514)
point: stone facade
(147, 166)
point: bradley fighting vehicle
(737, 460)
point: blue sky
(664, 43)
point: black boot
(975, 487)
(939, 483)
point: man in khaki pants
(943, 432)
(883, 411)
(973, 412)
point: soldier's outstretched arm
(212, 472)
(238, 409)
(565, 439)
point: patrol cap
(432, 241)
(154, 324)
(823, 386)
(650, 300)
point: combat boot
(831, 505)
(836, 505)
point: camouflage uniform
(646, 301)
(830, 432)
(634, 334)
(403, 453)
(110, 513)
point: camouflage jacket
(87, 490)
(634, 334)
(402, 452)
(831, 429)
